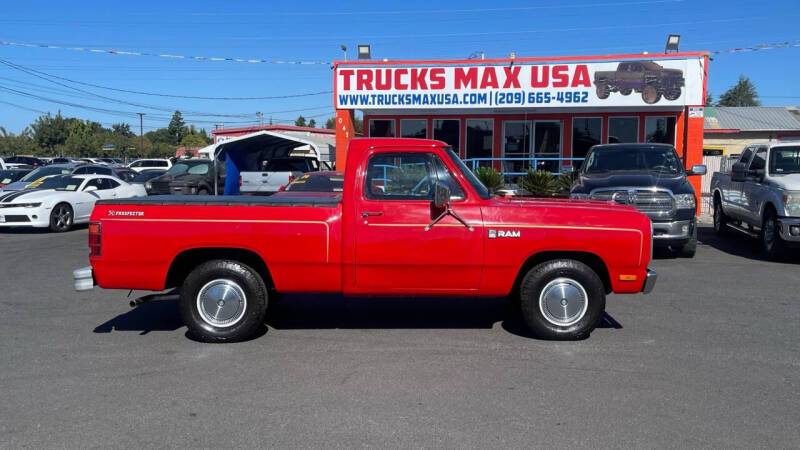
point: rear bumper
(649, 281)
(787, 226)
(83, 278)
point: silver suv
(760, 196)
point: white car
(62, 201)
(145, 164)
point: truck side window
(746, 154)
(759, 160)
(444, 176)
(400, 176)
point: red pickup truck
(412, 220)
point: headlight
(685, 201)
(28, 205)
(148, 185)
(579, 196)
(791, 203)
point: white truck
(277, 173)
(760, 196)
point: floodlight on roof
(364, 51)
(673, 40)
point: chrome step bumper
(84, 279)
(649, 281)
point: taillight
(291, 178)
(240, 181)
(282, 188)
(95, 241)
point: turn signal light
(95, 241)
(628, 277)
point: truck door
(394, 251)
(753, 190)
(732, 193)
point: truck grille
(655, 204)
(159, 188)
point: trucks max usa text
(412, 220)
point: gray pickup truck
(760, 196)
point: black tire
(771, 242)
(720, 219)
(247, 316)
(625, 91)
(202, 191)
(61, 218)
(545, 278)
(650, 94)
(602, 91)
(672, 94)
(689, 249)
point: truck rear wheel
(223, 301)
(650, 94)
(562, 299)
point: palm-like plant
(539, 183)
(565, 182)
(492, 179)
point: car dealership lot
(709, 359)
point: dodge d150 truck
(645, 77)
(760, 196)
(412, 220)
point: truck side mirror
(698, 169)
(738, 172)
(758, 174)
(441, 195)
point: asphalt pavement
(710, 359)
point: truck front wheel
(602, 91)
(562, 299)
(223, 301)
(770, 236)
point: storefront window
(381, 128)
(414, 128)
(547, 144)
(480, 135)
(660, 130)
(516, 144)
(448, 130)
(623, 130)
(586, 132)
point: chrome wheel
(61, 218)
(563, 302)
(221, 303)
(717, 217)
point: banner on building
(664, 82)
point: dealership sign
(669, 82)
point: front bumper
(649, 281)
(678, 230)
(787, 226)
(24, 217)
(83, 278)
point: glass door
(516, 146)
(547, 144)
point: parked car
(143, 164)
(65, 160)
(9, 176)
(113, 162)
(146, 175)
(24, 161)
(187, 176)
(645, 77)
(651, 178)
(39, 174)
(760, 196)
(124, 173)
(324, 181)
(427, 226)
(277, 172)
(62, 201)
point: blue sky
(313, 31)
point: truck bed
(284, 199)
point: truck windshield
(469, 175)
(639, 159)
(784, 160)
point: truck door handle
(371, 213)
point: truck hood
(788, 182)
(532, 202)
(677, 184)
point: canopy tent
(246, 153)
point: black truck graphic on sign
(643, 77)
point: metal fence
(713, 164)
(516, 167)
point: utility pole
(260, 118)
(141, 133)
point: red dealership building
(516, 113)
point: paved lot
(711, 359)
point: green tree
(194, 140)
(312, 123)
(80, 139)
(50, 131)
(539, 183)
(176, 128)
(492, 179)
(300, 121)
(330, 123)
(742, 94)
(122, 129)
(709, 99)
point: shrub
(539, 183)
(565, 182)
(492, 179)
